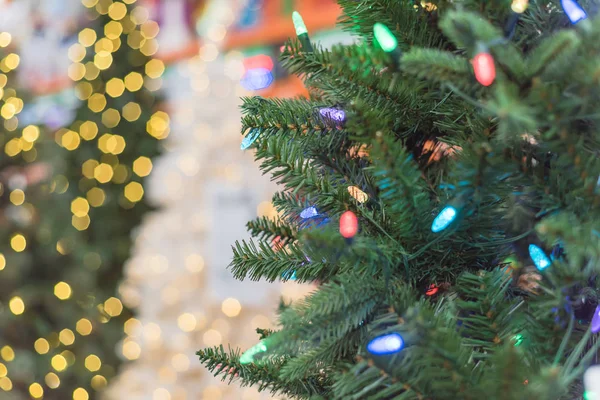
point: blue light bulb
(573, 10)
(444, 219)
(386, 344)
(309, 212)
(250, 138)
(539, 258)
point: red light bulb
(348, 224)
(433, 289)
(485, 70)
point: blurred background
(123, 187)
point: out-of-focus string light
(348, 224)
(248, 356)
(386, 344)
(484, 68)
(573, 10)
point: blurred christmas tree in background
(70, 200)
(442, 185)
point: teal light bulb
(385, 37)
(444, 219)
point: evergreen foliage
(519, 162)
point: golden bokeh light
(88, 167)
(76, 71)
(180, 362)
(134, 81)
(113, 30)
(87, 37)
(58, 362)
(96, 196)
(104, 44)
(88, 130)
(83, 327)
(103, 60)
(6, 384)
(66, 337)
(111, 118)
(77, 52)
(80, 207)
(93, 362)
(62, 290)
(31, 133)
(142, 166)
(131, 350)
(103, 173)
(83, 90)
(2, 262)
(117, 11)
(134, 192)
(158, 125)
(212, 337)
(91, 71)
(155, 68)
(81, 223)
(7, 353)
(5, 39)
(80, 394)
(52, 380)
(186, 322)
(231, 307)
(11, 61)
(98, 382)
(113, 307)
(36, 391)
(132, 111)
(115, 87)
(41, 346)
(17, 197)
(18, 242)
(69, 139)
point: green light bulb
(385, 37)
(299, 24)
(248, 356)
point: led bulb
(519, 6)
(539, 258)
(348, 224)
(299, 24)
(591, 381)
(309, 212)
(484, 68)
(596, 321)
(444, 219)
(248, 356)
(250, 138)
(386, 344)
(385, 37)
(573, 10)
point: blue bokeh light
(257, 79)
(444, 219)
(539, 258)
(386, 344)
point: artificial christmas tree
(470, 130)
(72, 197)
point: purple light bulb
(333, 114)
(596, 321)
